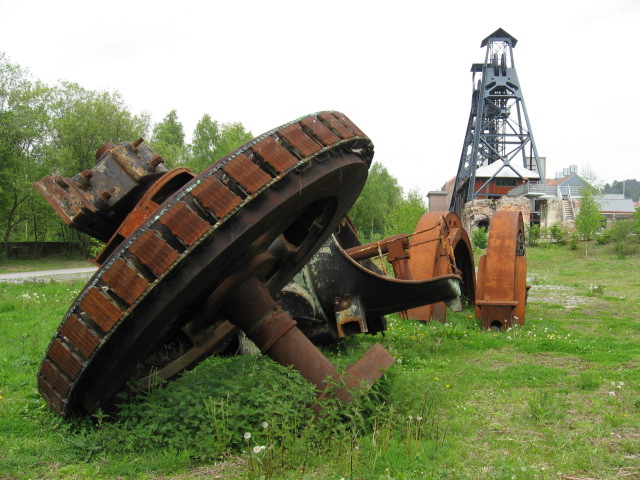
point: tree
(211, 141)
(588, 218)
(167, 140)
(23, 122)
(84, 120)
(404, 218)
(379, 197)
(630, 187)
(81, 121)
(232, 136)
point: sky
(400, 70)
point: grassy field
(556, 399)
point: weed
(588, 381)
(546, 408)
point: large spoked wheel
(261, 211)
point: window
(506, 182)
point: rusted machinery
(502, 274)
(341, 292)
(191, 259)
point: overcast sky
(399, 70)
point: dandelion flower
(265, 424)
(419, 419)
(258, 449)
(247, 435)
(612, 394)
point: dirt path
(47, 275)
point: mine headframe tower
(498, 129)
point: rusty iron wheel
(273, 202)
(440, 246)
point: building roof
(499, 33)
(613, 203)
(559, 181)
(489, 171)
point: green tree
(630, 187)
(83, 121)
(232, 135)
(588, 218)
(380, 196)
(404, 218)
(211, 141)
(23, 128)
(167, 140)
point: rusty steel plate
(440, 246)
(281, 193)
(502, 274)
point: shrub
(479, 237)
(602, 238)
(558, 234)
(620, 234)
(533, 235)
(574, 240)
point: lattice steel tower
(498, 128)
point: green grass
(557, 398)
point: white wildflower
(247, 435)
